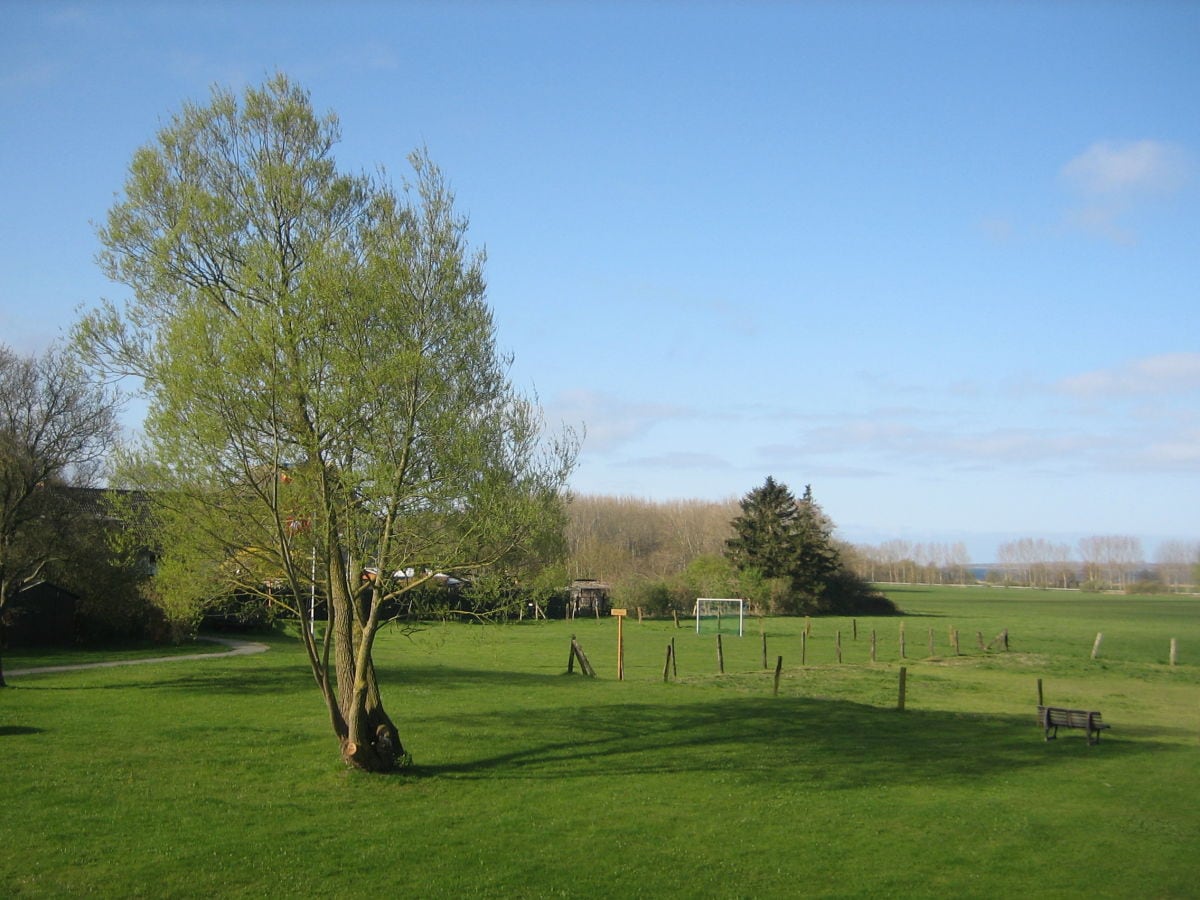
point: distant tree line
(665, 554)
(906, 562)
(1103, 562)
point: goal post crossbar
(707, 606)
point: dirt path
(236, 648)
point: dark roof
(97, 501)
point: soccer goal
(716, 615)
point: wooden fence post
(720, 655)
(1174, 650)
(620, 643)
(903, 687)
(584, 665)
(667, 664)
(955, 642)
(872, 645)
(1096, 645)
(838, 646)
(778, 670)
(854, 627)
(803, 649)
(674, 660)
(764, 648)
(1040, 701)
(931, 650)
(902, 640)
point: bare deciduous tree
(55, 429)
(1110, 559)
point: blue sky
(939, 260)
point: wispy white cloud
(1167, 373)
(1110, 168)
(1110, 179)
(1180, 452)
(610, 421)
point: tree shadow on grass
(14, 730)
(245, 681)
(778, 740)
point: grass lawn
(220, 777)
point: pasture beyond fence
(905, 656)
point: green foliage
(652, 596)
(110, 568)
(710, 576)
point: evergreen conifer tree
(791, 542)
(816, 560)
(765, 532)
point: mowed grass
(220, 777)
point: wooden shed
(589, 597)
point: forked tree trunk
(369, 739)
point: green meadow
(220, 776)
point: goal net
(719, 615)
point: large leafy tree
(55, 429)
(329, 414)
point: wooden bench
(1054, 718)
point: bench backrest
(1069, 718)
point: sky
(940, 261)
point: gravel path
(236, 648)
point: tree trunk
(368, 737)
(374, 743)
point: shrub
(1146, 586)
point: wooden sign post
(620, 614)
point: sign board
(619, 612)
